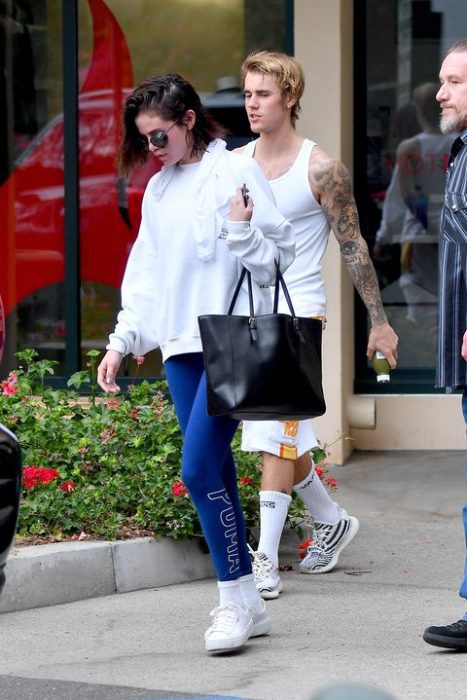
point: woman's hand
(107, 371)
(238, 210)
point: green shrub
(107, 467)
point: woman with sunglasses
(197, 230)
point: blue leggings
(208, 468)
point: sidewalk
(361, 622)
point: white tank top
(296, 202)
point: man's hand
(384, 339)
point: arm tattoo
(332, 181)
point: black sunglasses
(158, 138)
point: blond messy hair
(284, 69)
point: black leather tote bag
(264, 367)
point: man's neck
(276, 152)
(278, 143)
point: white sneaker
(230, 629)
(261, 621)
(266, 575)
(327, 543)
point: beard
(453, 124)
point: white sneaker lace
(224, 618)
(262, 565)
(316, 548)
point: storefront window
(119, 44)
(403, 174)
(31, 176)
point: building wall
(324, 47)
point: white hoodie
(187, 257)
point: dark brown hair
(169, 96)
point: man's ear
(290, 101)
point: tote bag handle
(279, 282)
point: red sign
(2, 329)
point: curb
(50, 574)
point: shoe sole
(347, 539)
(444, 642)
(217, 646)
(268, 594)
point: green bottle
(381, 367)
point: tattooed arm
(331, 186)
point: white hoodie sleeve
(269, 236)
(134, 332)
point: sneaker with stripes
(328, 541)
(266, 575)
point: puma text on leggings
(208, 468)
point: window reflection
(120, 43)
(410, 220)
(31, 166)
(406, 161)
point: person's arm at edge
(464, 346)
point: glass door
(400, 162)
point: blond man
(313, 191)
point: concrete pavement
(361, 622)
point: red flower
(8, 385)
(302, 547)
(33, 476)
(134, 413)
(179, 488)
(113, 404)
(68, 486)
(331, 483)
(8, 388)
(247, 481)
(319, 471)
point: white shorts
(287, 439)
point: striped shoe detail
(266, 575)
(328, 541)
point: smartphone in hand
(245, 194)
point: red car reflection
(32, 198)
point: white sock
(250, 594)
(229, 592)
(317, 499)
(274, 507)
